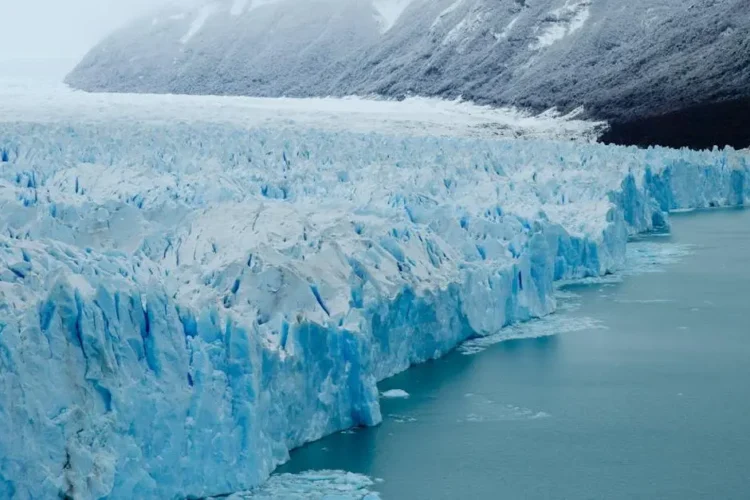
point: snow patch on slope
(200, 20)
(389, 12)
(460, 34)
(506, 31)
(449, 10)
(562, 22)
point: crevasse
(181, 305)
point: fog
(62, 30)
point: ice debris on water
(395, 394)
(182, 304)
(402, 419)
(484, 410)
(313, 485)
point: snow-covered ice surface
(21, 101)
(191, 287)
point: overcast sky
(62, 29)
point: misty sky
(62, 29)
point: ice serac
(180, 305)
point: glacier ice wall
(181, 305)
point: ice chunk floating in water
(395, 394)
(182, 304)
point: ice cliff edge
(180, 305)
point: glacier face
(183, 303)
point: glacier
(616, 59)
(182, 302)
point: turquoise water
(644, 393)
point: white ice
(507, 30)
(562, 22)
(191, 287)
(313, 485)
(395, 394)
(22, 101)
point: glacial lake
(644, 391)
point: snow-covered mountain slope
(276, 47)
(182, 302)
(623, 61)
